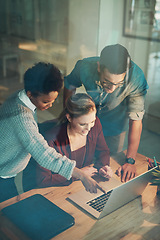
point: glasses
(107, 83)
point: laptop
(117, 194)
(38, 218)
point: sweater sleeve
(33, 142)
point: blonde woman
(79, 136)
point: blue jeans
(115, 143)
(7, 189)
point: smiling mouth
(107, 89)
(44, 109)
(85, 132)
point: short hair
(115, 58)
(77, 105)
(43, 78)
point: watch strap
(130, 160)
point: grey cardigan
(20, 139)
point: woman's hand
(90, 171)
(106, 171)
(89, 183)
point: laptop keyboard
(99, 202)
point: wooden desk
(139, 219)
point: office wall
(83, 30)
(111, 32)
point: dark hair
(42, 78)
(115, 58)
(77, 105)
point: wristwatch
(130, 160)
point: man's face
(110, 81)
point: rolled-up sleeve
(136, 97)
(136, 108)
(136, 116)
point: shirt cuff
(67, 169)
(136, 115)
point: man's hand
(106, 171)
(126, 172)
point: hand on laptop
(89, 183)
(126, 172)
(106, 171)
(89, 170)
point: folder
(38, 218)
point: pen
(155, 162)
(150, 163)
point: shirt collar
(25, 99)
(99, 85)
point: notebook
(117, 194)
(38, 218)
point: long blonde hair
(77, 105)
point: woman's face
(43, 101)
(83, 124)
